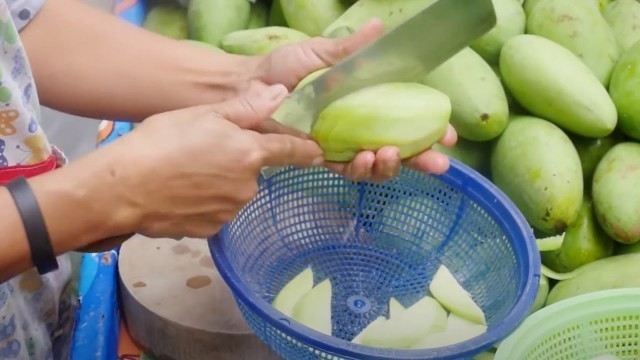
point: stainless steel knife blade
(407, 52)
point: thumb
(333, 51)
(253, 107)
(288, 150)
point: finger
(387, 164)
(331, 51)
(253, 108)
(450, 138)
(430, 161)
(271, 126)
(287, 150)
(361, 167)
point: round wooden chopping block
(176, 305)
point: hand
(190, 171)
(290, 64)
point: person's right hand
(190, 171)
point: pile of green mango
(546, 104)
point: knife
(406, 53)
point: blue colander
(377, 241)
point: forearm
(92, 64)
(78, 207)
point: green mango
(409, 116)
(511, 21)
(535, 164)
(204, 45)
(591, 152)
(584, 242)
(391, 12)
(168, 20)
(259, 15)
(624, 18)
(625, 83)
(578, 26)
(552, 83)
(616, 192)
(211, 20)
(514, 107)
(541, 296)
(260, 41)
(480, 107)
(312, 16)
(276, 17)
(476, 155)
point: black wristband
(42, 254)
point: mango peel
(409, 116)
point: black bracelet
(42, 254)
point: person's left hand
(289, 64)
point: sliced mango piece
(293, 291)
(458, 330)
(395, 308)
(314, 308)
(407, 327)
(446, 289)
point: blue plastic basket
(374, 244)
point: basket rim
(480, 190)
(557, 314)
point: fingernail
(318, 161)
(275, 92)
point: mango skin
(211, 20)
(168, 20)
(616, 194)
(552, 83)
(309, 78)
(535, 164)
(624, 18)
(480, 107)
(258, 16)
(584, 242)
(312, 16)
(511, 21)
(390, 12)
(260, 41)
(409, 116)
(591, 151)
(579, 27)
(276, 17)
(615, 272)
(624, 91)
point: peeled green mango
(511, 21)
(591, 152)
(168, 20)
(479, 103)
(584, 242)
(260, 41)
(551, 82)
(211, 20)
(541, 296)
(276, 17)
(624, 91)
(616, 192)
(312, 16)
(390, 12)
(204, 45)
(535, 164)
(528, 5)
(578, 26)
(624, 18)
(471, 153)
(409, 116)
(258, 16)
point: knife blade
(407, 52)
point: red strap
(11, 172)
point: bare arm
(90, 63)
(80, 205)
